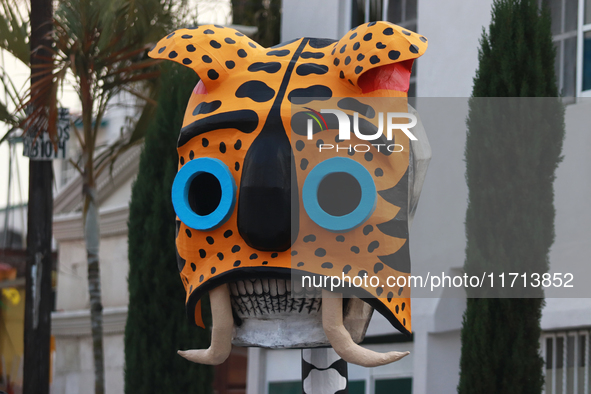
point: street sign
(41, 147)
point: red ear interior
(394, 76)
(200, 88)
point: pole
(8, 209)
(40, 215)
(323, 372)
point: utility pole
(40, 215)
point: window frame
(565, 335)
(582, 28)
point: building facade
(73, 369)
(444, 77)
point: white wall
(437, 237)
(72, 291)
(120, 197)
(453, 28)
(442, 368)
(448, 66)
(74, 371)
(572, 190)
(321, 19)
(19, 191)
(571, 248)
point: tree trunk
(92, 240)
(92, 230)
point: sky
(208, 11)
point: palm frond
(104, 45)
(133, 136)
(14, 100)
(14, 31)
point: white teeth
(273, 287)
(265, 307)
(271, 296)
(265, 283)
(241, 287)
(281, 287)
(249, 287)
(258, 287)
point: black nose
(268, 208)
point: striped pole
(323, 372)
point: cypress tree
(156, 322)
(512, 150)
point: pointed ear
(212, 51)
(366, 49)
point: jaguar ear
(378, 55)
(212, 51)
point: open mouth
(271, 313)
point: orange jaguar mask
(239, 119)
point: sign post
(40, 216)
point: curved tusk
(221, 335)
(340, 339)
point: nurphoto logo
(345, 129)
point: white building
(454, 28)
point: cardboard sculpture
(244, 191)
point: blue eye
(339, 194)
(204, 194)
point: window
(356, 386)
(367, 11)
(566, 356)
(571, 31)
(398, 386)
(400, 12)
(564, 34)
(285, 387)
(586, 49)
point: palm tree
(102, 45)
(14, 38)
